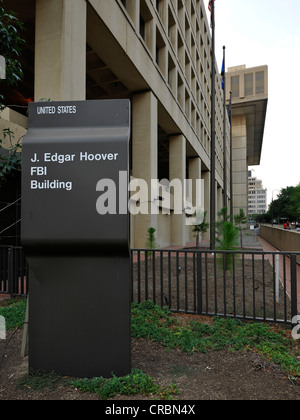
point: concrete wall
(284, 240)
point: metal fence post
(10, 271)
(294, 293)
(199, 284)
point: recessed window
(260, 82)
(235, 86)
(249, 84)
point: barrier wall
(284, 240)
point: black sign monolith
(75, 230)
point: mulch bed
(202, 285)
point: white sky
(259, 32)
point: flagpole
(213, 138)
(224, 129)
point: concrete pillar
(240, 164)
(177, 162)
(206, 178)
(144, 160)
(195, 167)
(60, 50)
(220, 200)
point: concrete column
(219, 199)
(177, 162)
(240, 164)
(144, 158)
(60, 50)
(195, 167)
(206, 178)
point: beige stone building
(249, 89)
(157, 53)
(257, 195)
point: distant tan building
(257, 195)
(249, 89)
(158, 54)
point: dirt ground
(176, 281)
(214, 376)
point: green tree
(200, 228)
(151, 241)
(240, 219)
(10, 160)
(223, 217)
(287, 206)
(10, 45)
(227, 238)
(10, 48)
(228, 242)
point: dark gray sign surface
(68, 150)
(75, 229)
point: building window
(142, 27)
(146, 26)
(235, 86)
(249, 84)
(260, 82)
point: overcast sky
(259, 32)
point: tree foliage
(240, 219)
(200, 228)
(10, 159)
(287, 206)
(10, 45)
(227, 238)
(10, 48)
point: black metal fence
(13, 271)
(261, 286)
(249, 285)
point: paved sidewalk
(267, 247)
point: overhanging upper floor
(249, 89)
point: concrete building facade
(157, 53)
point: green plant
(10, 159)
(240, 219)
(157, 324)
(200, 228)
(151, 241)
(223, 217)
(227, 236)
(14, 313)
(137, 382)
(10, 47)
(39, 380)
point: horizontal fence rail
(258, 286)
(13, 271)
